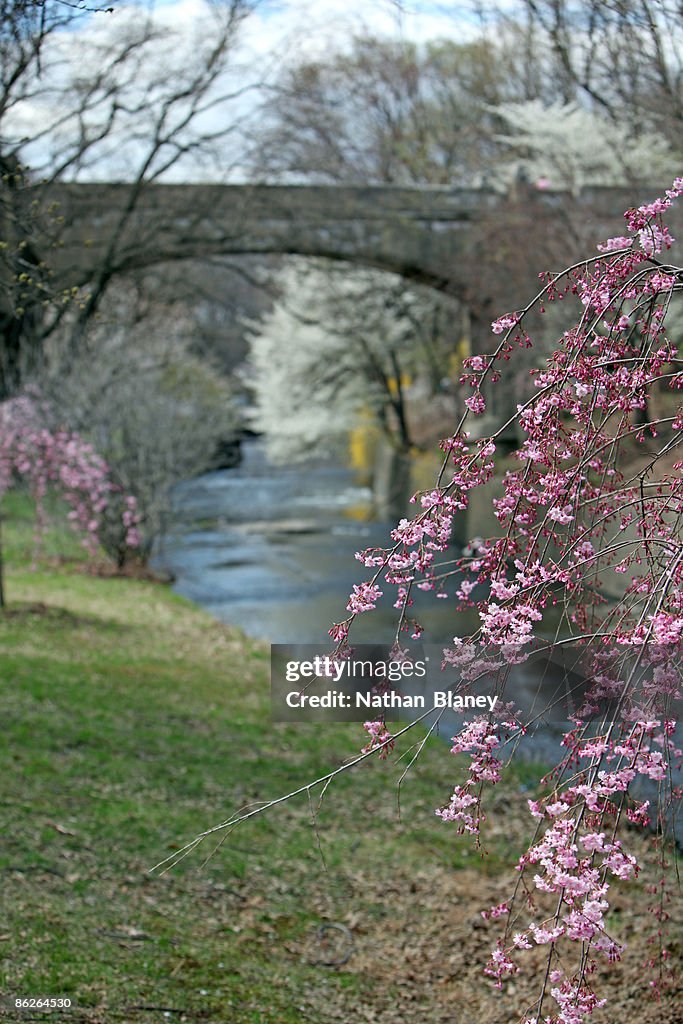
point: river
(271, 549)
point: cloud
(311, 27)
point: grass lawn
(131, 721)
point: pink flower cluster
(364, 598)
(478, 739)
(575, 859)
(380, 739)
(60, 461)
(596, 545)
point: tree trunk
(391, 483)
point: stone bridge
(434, 235)
(482, 248)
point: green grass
(131, 721)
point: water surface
(271, 549)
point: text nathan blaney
(388, 701)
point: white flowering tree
(336, 343)
(567, 146)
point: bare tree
(386, 112)
(394, 112)
(153, 409)
(127, 96)
(624, 56)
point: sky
(284, 28)
(311, 24)
(319, 22)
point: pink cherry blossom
(580, 539)
(58, 460)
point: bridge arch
(423, 234)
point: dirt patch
(134, 570)
(25, 611)
(423, 951)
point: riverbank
(131, 721)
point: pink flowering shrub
(588, 550)
(60, 461)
